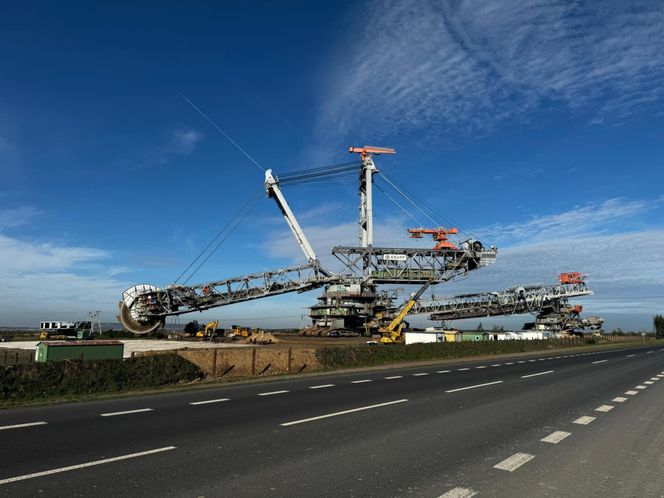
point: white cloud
(591, 218)
(185, 141)
(10, 218)
(42, 278)
(443, 67)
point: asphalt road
(563, 425)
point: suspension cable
(218, 234)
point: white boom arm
(273, 190)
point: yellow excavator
(209, 329)
(393, 333)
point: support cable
(226, 135)
(219, 233)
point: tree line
(658, 322)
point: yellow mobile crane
(392, 334)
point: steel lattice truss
(513, 301)
(179, 299)
(390, 265)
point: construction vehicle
(393, 332)
(209, 330)
(64, 330)
(352, 300)
(238, 332)
(550, 304)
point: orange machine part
(370, 149)
(439, 234)
(573, 277)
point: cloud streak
(469, 66)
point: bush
(42, 381)
(379, 354)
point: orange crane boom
(439, 234)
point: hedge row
(359, 356)
(42, 381)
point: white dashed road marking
(630, 355)
(271, 393)
(20, 426)
(632, 393)
(345, 412)
(209, 401)
(322, 386)
(599, 361)
(510, 363)
(497, 365)
(556, 437)
(604, 408)
(514, 462)
(128, 412)
(585, 420)
(481, 366)
(463, 369)
(394, 377)
(360, 381)
(84, 465)
(420, 374)
(443, 371)
(539, 373)
(619, 399)
(642, 387)
(459, 493)
(473, 387)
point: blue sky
(536, 125)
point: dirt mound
(259, 338)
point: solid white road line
(630, 355)
(535, 375)
(604, 408)
(209, 401)
(632, 393)
(420, 374)
(641, 387)
(394, 377)
(443, 371)
(84, 465)
(272, 392)
(360, 381)
(514, 462)
(322, 386)
(619, 399)
(599, 361)
(556, 437)
(473, 387)
(459, 493)
(128, 412)
(20, 426)
(585, 420)
(345, 412)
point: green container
(474, 336)
(70, 350)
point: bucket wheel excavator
(351, 299)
